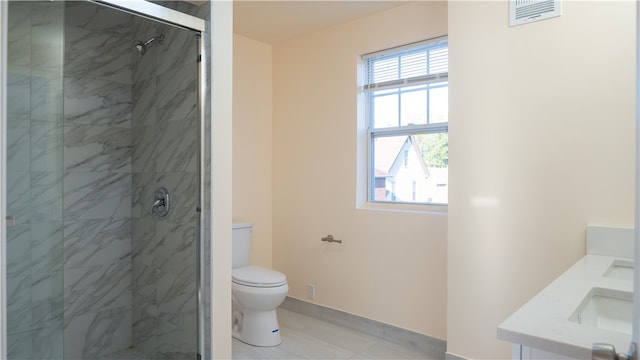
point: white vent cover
(525, 11)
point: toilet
(256, 293)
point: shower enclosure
(105, 149)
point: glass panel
(34, 180)
(385, 108)
(411, 169)
(83, 164)
(165, 122)
(411, 104)
(413, 108)
(439, 104)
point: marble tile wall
(97, 181)
(34, 153)
(164, 154)
(87, 148)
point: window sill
(404, 207)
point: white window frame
(407, 130)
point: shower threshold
(128, 354)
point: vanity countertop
(543, 322)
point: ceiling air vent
(525, 11)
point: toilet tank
(240, 242)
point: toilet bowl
(255, 321)
(256, 293)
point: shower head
(142, 46)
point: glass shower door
(34, 180)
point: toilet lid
(258, 277)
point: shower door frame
(4, 13)
(156, 13)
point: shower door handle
(10, 221)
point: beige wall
(221, 118)
(391, 266)
(252, 144)
(541, 144)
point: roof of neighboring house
(423, 165)
(387, 151)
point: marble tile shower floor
(129, 354)
(304, 337)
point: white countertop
(543, 322)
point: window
(406, 91)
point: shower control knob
(161, 204)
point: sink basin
(605, 309)
(620, 269)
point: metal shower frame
(175, 18)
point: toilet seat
(256, 276)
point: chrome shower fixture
(161, 203)
(142, 46)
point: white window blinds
(395, 68)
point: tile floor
(304, 337)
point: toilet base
(258, 328)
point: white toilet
(256, 293)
